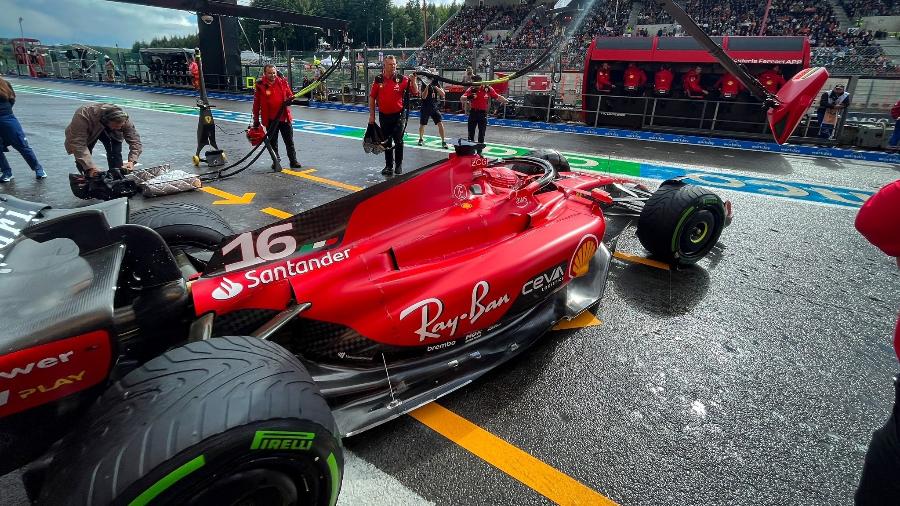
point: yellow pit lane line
(307, 174)
(228, 198)
(535, 474)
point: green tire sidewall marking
(167, 481)
(335, 478)
(684, 216)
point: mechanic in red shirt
(480, 97)
(388, 90)
(879, 221)
(771, 79)
(271, 92)
(691, 82)
(634, 78)
(895, 137)
(662, 80)
(194, 68)
(603, 81)
(728, 86)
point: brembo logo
(43, 363)
(227, 289)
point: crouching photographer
(110, 125)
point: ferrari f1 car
(157, 356)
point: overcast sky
(98, 22)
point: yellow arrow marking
(641, 260)
(229, 198)
(278, 213)
(307, 174)
(539, 476)
(585, 319)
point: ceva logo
(227, 289)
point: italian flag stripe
(317, 245)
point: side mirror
(794, 99)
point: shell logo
(581, 260)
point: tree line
(371, 22)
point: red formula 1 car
(158, 357)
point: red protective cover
(48, 372)
(538, 83)
(795, 97)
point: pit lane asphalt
(756, 377)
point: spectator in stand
(895, 113)
(771, 79)
(728, 86)
(603, 79)
(691, 82)
(830, 106)
(662, 81)
(879, 484)
(634, 79)
(469, 75)
(481, 97)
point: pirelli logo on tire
(282, 440)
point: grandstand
(860, 8)
(511, 35)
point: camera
(104, 186)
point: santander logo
(227, 289)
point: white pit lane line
(365, 485)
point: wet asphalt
(755, 377)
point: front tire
(680, 223)
(226, 421)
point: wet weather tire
(183, 224)
(681, 223)
(232, 420)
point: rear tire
(232, 420)
(183, 224)
(680, 223)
